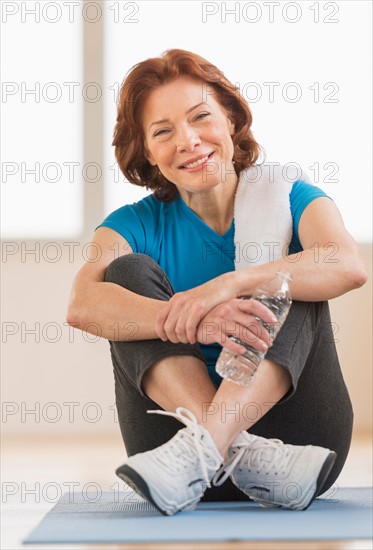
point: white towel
(262, 216)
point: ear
(150, 159)
(231, 126)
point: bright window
(42, 120)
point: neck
(215, 206)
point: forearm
(317, 274)
(113, 312)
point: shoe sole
(323, 475)
(136, 482)
(321, 479)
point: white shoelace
(176, 448)
(252, 455)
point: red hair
(136, 87)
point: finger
(207, 331)
(183, 322)
(169, 328)
(255, 334)
(160, 320)
(224, 340)
(172, 316)
(175, 325)
(180, 334)
(249, 329)
(258, 309)
(192, 321)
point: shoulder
(147, 204)
(301, 195)
(144, 209)
(303, 192)
(138, 223)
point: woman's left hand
(179, 318)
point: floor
(36, 471)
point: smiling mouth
(197, 162)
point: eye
(201, 115)
(160, 132)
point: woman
(183, 130)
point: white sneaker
(175, 475)
(275, 474)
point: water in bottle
(274, 294)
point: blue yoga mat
(125, 517)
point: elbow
(74, 317)
(360, 277)
(71, 319)
(357, 273)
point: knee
(139, 273)
(315, 309)
(128, 268)
(303, 314)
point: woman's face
(188, 135)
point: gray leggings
(317, 410)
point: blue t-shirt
(186, 248)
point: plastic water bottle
(275, 294)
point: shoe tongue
(267, 454)
(205, 439)
(243, 438)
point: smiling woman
(212, 90)
(183, 131)
(203, 137)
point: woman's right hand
(237, 317)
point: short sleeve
(135, 222)
(301, 195)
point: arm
(329, 265)
(96, 302)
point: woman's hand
(178, 320)
(188, 317)
(237, 318)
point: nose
(187, 138)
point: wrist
(231, 284)
(245, 281)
